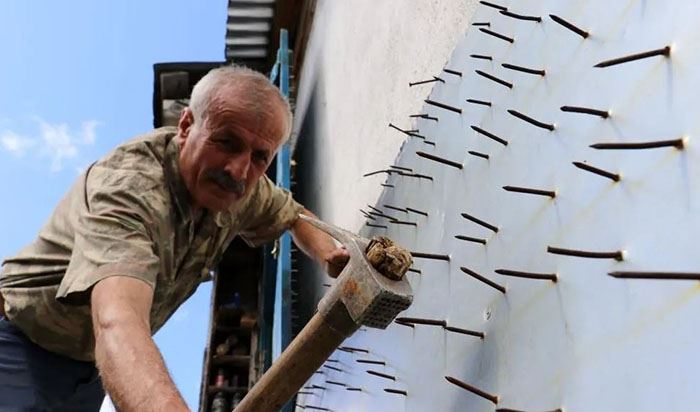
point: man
(131, 241)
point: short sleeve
(115, 233)
(273, 210)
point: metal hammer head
(370, 298)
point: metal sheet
(589, 342)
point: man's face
(223, 155)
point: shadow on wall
(309, 167)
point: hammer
(360, 296)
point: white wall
(360, 58)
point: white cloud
(14, 143)
(88, 131)
(56, 141)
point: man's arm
(132, 369)
(319, 245)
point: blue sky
(76, 80)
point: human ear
(184, 125)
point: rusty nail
(539, 72)
(478, 154)
(480, 222)
(473, 389)
(387, 185)
(569, 26)
(530, 120)
(471, 239)
(666, 51)
(539, 192)
(677, 143)
(527, 275)
(377, 226)
(401, 168)
(439, 159)
(396, 391)
(403, 222)
(520, 16)
(481, 102)
(398, 209)
(305, 393)
(371, 362)
(318, 408)
(454, 72)
(430, 256)
(490, 135)
(497, 35)
(617, 255)
(493, 5)
(323, 388)
(354, 389)
(410, 325)
(465, 331)
(443, 106)
(336, 383)
(494, 78)
(382, 375)
(612, 176)
(422, 321)
(656, 275)
(485, 24)
(483, 279)
(424, 116)
(480, 56)
(333, 368)
(417, 211)
(434, 79)
(351, 349)
(585, 110)
(414, 270)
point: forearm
(132, 369)
(312, 241)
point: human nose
(239, 166)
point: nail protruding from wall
(483, 279)
(382, 375)
(332, 368)
(424, 116)
(478, 154)
(490, 135)
(569, 26)
(396, 391)
(336, 383)
(494, 5)
(471, 239)
(494, 78)
(677, 143)
(371, 362)
(482, 24)
(461, 331)
(439, 159)
(527, 190)
(473, 389)
(443, 106)
(585, 110)
(453, 72)
(519, 410)
(527, 275)
(539, 72)
(419, 212)
(617, 255)
(352, 349)
(480, 56)
(530, 120)
(600, 172)
(433, 80)
(521, 16)
(655, 275)
(480, 222)
(665, 51)
(481, 102)
(422, 321)
(497, 35)
(433, 256)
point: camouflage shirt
(128, 215)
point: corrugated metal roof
(248, 30)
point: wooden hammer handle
(304, 355)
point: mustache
(225, 180)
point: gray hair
(260, 95)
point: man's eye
(262, 157)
